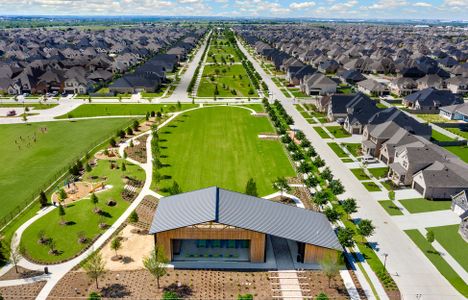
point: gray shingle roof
(214, 204)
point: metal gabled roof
(243, 211)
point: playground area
(75, 191)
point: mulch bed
(24, 291)
(317, 282)
(138, 152)
(22, 273)
(139, 284)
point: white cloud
(457, 3)
(422, 4)
(301, 5)
(386, 4)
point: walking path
(417, 275)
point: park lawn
(220, 146)
(460, 151)
(323, 134)
(360, 174)
(242, 87)
(378, 172)
(35, 106)
(338, 151)
(371, 186)
(420, 205)
(353, 148)
(81, 216)
(438, 261)
(440, 137)
(338, 131)
(52, 153)
(231, 70)
(96, 110)
(459, 132)
(453, 243)
(391, 208)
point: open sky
(365, 9)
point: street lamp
(385, 261)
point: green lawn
(360, 174)
(323, 134)
(81, 216)
(391, 208)
(378, 172)
(437, 136)
(453, 243)
(337, 149)
(338, 131)
(354, 148)
(459, 132)
(26, 169)
(460, 151)
(420, 205)
(220, 146)
(347, 160)
(242, 87)
(371, 187)
(438, 261)
(95, 110)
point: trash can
(46, 270)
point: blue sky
(365, 9)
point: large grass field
(438, 261)
(80, 216)
(220, 146)
(440, 137)
(420, 205)
(459, 132)
(96, 110)
(27, 165)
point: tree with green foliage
(319, 162)
(43, 199)
(170, 295)
(366, 228)
(147, 116)
(336, 187)
(251, 188)
(345, 236)
(430, 236)
(322, 296)
(94, 296)
(88, 168)
(332, 214)
(62, 194)
(281, 185)
(304, 168)
(175, 189)
(95, 267)
(112, 142)
(94, 201)
(245, 297)
(116, 244)
(330, 266)
(124, 167)
(327, 174)
(129, 131)
(311, 181)
(320, 198)
(133, 218)
(135, 125)
(61, 212)
(156, 263)
(350, 206)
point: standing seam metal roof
(230, 208)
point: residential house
(457, 85)
(351, 76)
(429, 100)
(403, 86)
(337, 106)
(455, 112)
(296, 73)
(317, 84)
(359, 111)
(372, 87)
(460, 207)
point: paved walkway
(417, 275)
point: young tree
(366, 228)
(61, 212)
(321, 198)
(62, 194)
(330, 267)
(170, 295)
(175, 189)
(147, 116)
(116, 244)
(95, 267)
(336, 187)
(133, 218)
(430, 237)
(155, 263)
(135, 125)
(15, 257)
(88, 168)
(281, 185)
(43, 199)
(112, 142)
(332, 214)
(124, 167)
(94, 296)
(349, 206)
(251, 188)
(345, 236)
(322, 296)
(95, 201)
(327, 174)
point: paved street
(416, 274)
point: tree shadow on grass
(70, 223)
(172, 126)
(115, 290)
(105, 214)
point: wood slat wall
(313, 254)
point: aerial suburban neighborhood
(234, 150)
